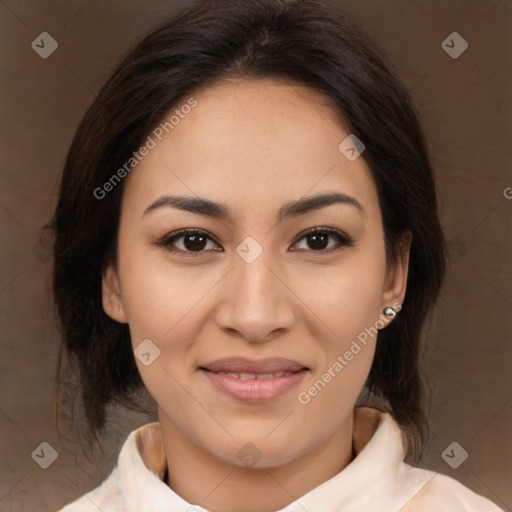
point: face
(252, 324)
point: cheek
(344, 306)
(342, 319)
(346, 309)
(160, 297)
(165, 304)
(342, 300)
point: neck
(201, 478)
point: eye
(189, 241)
(317, 239)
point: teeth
(261, 376)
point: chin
(258, 451)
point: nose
(256, 302)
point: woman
(247, 229)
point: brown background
(466, 106)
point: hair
(304, 42)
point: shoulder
(136, 476)
(107, 497)
(444, 494)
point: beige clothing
(377, 480)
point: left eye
(318, 239)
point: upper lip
(244, 365)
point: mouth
(253, 381)
(242, 365)
(251, 376)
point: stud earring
(389, 312)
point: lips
(252, 381)
(261, 376)
(240, 365)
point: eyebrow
(209, 208)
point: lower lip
(254, 390)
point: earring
(389, 312)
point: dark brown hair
(305, 42)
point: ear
(396, 278)
(111, 296)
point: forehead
(253, 143)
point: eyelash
(168, 240)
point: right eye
(188, 241)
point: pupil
(198, 242)
(315, 241)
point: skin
(252, 146)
